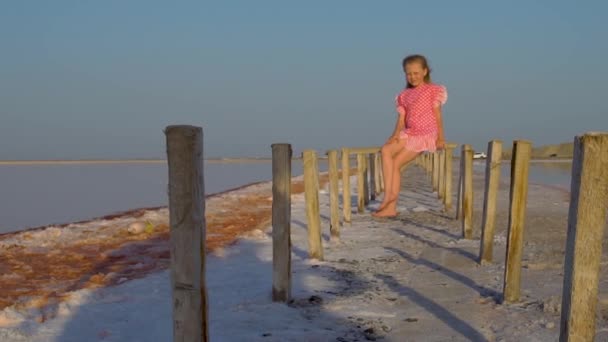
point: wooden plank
(520, 161)
(187, 232)
(364, 150)
(467, 192)
(492, 182)
(586, 226)
(281, 222)
(311, 196)
(334, 225)
(346, 200)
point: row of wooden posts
(587, 218)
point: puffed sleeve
(399, 100)
(399, 106)
(440, 97)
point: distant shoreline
(124, 161)
(210, 161)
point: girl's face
(415, 73)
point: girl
(419, 128)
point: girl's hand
(392, 139)
(440, 143)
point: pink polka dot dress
(420, 132)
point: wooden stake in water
(187, 233)
(517, 214)
(489, 204)
(586, 226)
(281, 222)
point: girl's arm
(440, 137)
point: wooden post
(346, 201)
(334, 226)
(372, 176)
(467, 192)
(441, 186)
(187, 232)
(380, 172)
(586, 225)
(360, 183)
(435, 171)
(377, 172)
(489, 204)
(460, 180)
(311, 195)
(366, 191)
(520, 161)
(281, 222)
(447, 196)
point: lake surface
(553, 173)
(39, 195)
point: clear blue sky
(101, 79)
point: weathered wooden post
(586, 225)
(360, 183)
(365, 180)
(372, 176)
(441, 187)
(281, 222)
(517, 213)
(346, 201)
(435, 171)
(447, 197)
(460, 181)
(489, 205)
(187, 234)
(377, 171)
(380, 172)
(311, 196)
(334, 226)
(467, 192)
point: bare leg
(402, 158)
(388, 153)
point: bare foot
(385, 213)
(384, 204)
